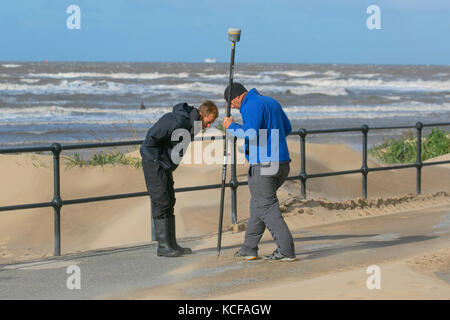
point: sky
(273, 31)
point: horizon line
(220, 62)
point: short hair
(208, 107)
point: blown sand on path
(398, 281)
(28, 178)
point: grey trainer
(278, 256)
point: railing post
(419, 164)
(303, 176)
(234, 183)
(364, 168)
(57, 201)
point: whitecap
(108, 88)
(292, 73)
(378, 84)
(11, 65)
(119, 75)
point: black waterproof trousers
(159, 183)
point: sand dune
(28, 178)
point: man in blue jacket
(265, 127)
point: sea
(80, 102)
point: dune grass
(435, 144)
(109, 157)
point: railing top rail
(89, 145)
(25, 149)
(364, 127)
(441, 124)
(390, 128)
(122, 143)
(137, 142)
(100, 145)
(314, 131)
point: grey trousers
(265, 211)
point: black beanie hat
(236, 90)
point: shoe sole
(252, 258)
(168, 255)
(281, 260)
(248, 258)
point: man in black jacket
(158, 164)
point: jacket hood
(187, 112)
(182, 109)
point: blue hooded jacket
(262, 112)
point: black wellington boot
(162, 232)
(173, 239)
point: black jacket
(157, 145)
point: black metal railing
(57, 203)
(364, 170)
